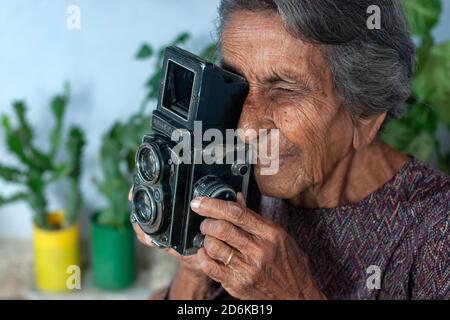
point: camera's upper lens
(148, 163)
(214, 187)
(144, 206)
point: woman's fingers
(228, 233)
(212, 268)
(230, 211)
(240, 199)
(142, 236)
(220, 251)
(147, 240)
(130, 194)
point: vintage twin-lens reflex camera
(192, 89)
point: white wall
(38, 53)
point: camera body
(191, 90)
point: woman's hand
(188, 262)
(252, 257)
(190, 281)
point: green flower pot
(112, 255)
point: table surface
(17, 279)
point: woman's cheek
(300, 125)
(305, 126)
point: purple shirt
(399, 235)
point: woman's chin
(286, 182)
(277, 186)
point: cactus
(38, 168)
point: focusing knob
(239, 169)
(214, 187)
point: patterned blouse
(394, 244)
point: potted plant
(55, 234)
(113, 254)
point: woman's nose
(254, 117)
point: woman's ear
(366, 129)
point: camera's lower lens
(144, 206)
(148, 163)
(214, 187)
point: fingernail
(195, 204)
(201, 227)
(148, 240)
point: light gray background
(38, 53)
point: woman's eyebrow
(299, 79)
(275, 77)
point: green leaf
(398, 134)
(153, 84)
(432, 83)
(58, 108)
(210, 53)
(145, 52)
(423, 50)
(21, 196)
(13, 141)
(75, 145)
(20, 142)
(41, 161)
(406, 134)
(422, 146)
(110, 158)
(25, 132)
(59, 172)
(36, 198)
(420, 117)
(74, 203)
(422, 15)
(11, 174)
(182, 38)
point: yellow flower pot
(55, 251)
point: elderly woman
(346, 216)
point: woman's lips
(273, 162)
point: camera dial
(213, 187)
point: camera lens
(144, 206)
(214, 187)
(148, 163)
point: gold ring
(229, 258)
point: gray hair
(371, 69)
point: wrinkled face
(290, 90)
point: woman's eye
(282, 90)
